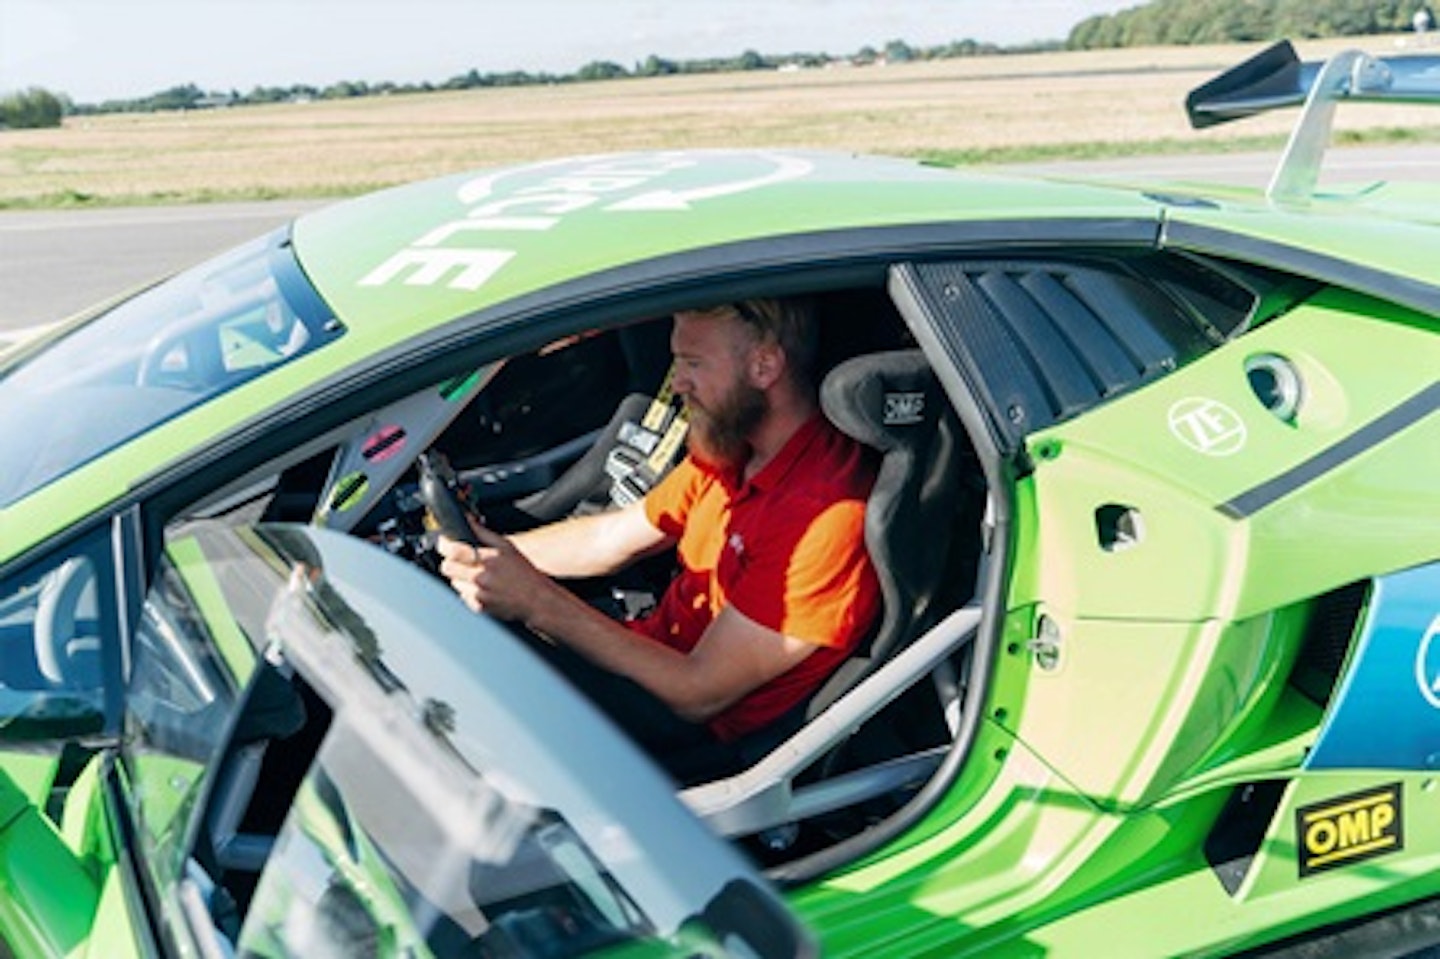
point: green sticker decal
(348, 492)
(458, 387)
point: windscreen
(154, 356)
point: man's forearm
(595, 545)
(666, 673)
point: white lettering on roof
(565, 186)
(467, 269)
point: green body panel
(1390, 228)
(1169, 687)
(1360, 359)
(1035, 871)
(1134, 709)
(1187, 909)
(30, 772)
(61, 893)
(48, 898)
(113, 935)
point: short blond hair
(790, 322)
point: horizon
(92, 52)
(378, 85)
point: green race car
(1157, 528)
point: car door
(442, 792)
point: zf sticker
(1350, 829)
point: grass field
(993, 109)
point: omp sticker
(1349, 829)
(904, 409)
(348, 491)
(386, 442)
(1207, 426)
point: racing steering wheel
(445, 513)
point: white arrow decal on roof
(786, 168)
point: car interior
(587, 423)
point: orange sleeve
(669, 501)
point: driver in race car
(775, 587)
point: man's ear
(767, 363)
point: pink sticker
(386, 442)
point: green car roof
(408, 258)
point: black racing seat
(891, 401)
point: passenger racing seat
(892, 402)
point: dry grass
(1012, 107)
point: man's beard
(720, 437)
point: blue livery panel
(1386, 713)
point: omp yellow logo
(1350, 828)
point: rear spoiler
(1276, 78)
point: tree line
(1190, 22)
(33, 108)
(190, 96)
(1159, 22)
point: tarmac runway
(55, 263)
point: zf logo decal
(1350, 829)
(1207, 426)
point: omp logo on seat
(1349, 829)
(904, 409)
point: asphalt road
(55, 263)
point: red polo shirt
(786, 548)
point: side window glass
(57, 620)
(477, 872)
(178, 710)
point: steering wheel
(443, 509)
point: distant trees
(1158, 22)
(898, 51)
(654, 66)
(601, 70)
(191, 97)
(1187, 22)
(32, 109)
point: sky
(95, 50)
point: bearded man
(766, 513)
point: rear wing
(1276, 78)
